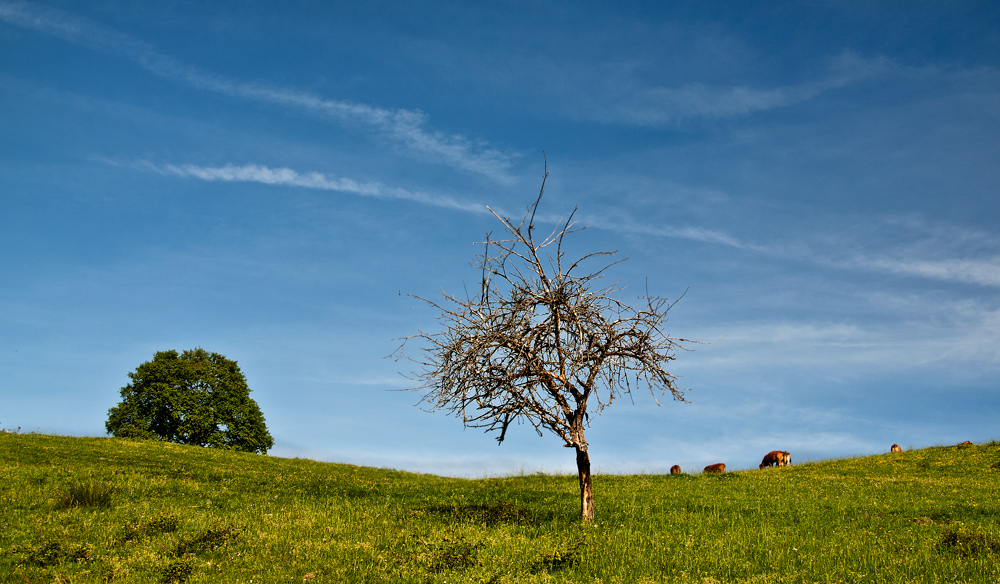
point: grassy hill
(107, 510)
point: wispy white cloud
(406, 128)
(690, 233)
(984, 271)
(256, 173)
(912, 247)
(659, 105)
(947, 265)
(900, 246)
(962, 338)
(261, 174)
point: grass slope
(108, 510)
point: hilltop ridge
(103, 509)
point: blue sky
(264, 180)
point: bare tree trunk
(586, 486)
(542, 339)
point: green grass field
(109, 510)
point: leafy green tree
(195, 397)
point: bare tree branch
(543, 345)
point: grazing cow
(966, 443)
(718, 467)
(675, 469)
(895, 448)
(772, 458)
(776, 458)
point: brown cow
(718, 467)
(772, 458)
(675, 469)
(895, 448)
(967, 442)
(776, 458)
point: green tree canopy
(195, 397)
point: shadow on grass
(488, 514)
(968, 544)
(52, 552)
(961, 513)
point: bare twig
(541, 344)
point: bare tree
(542, 342)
